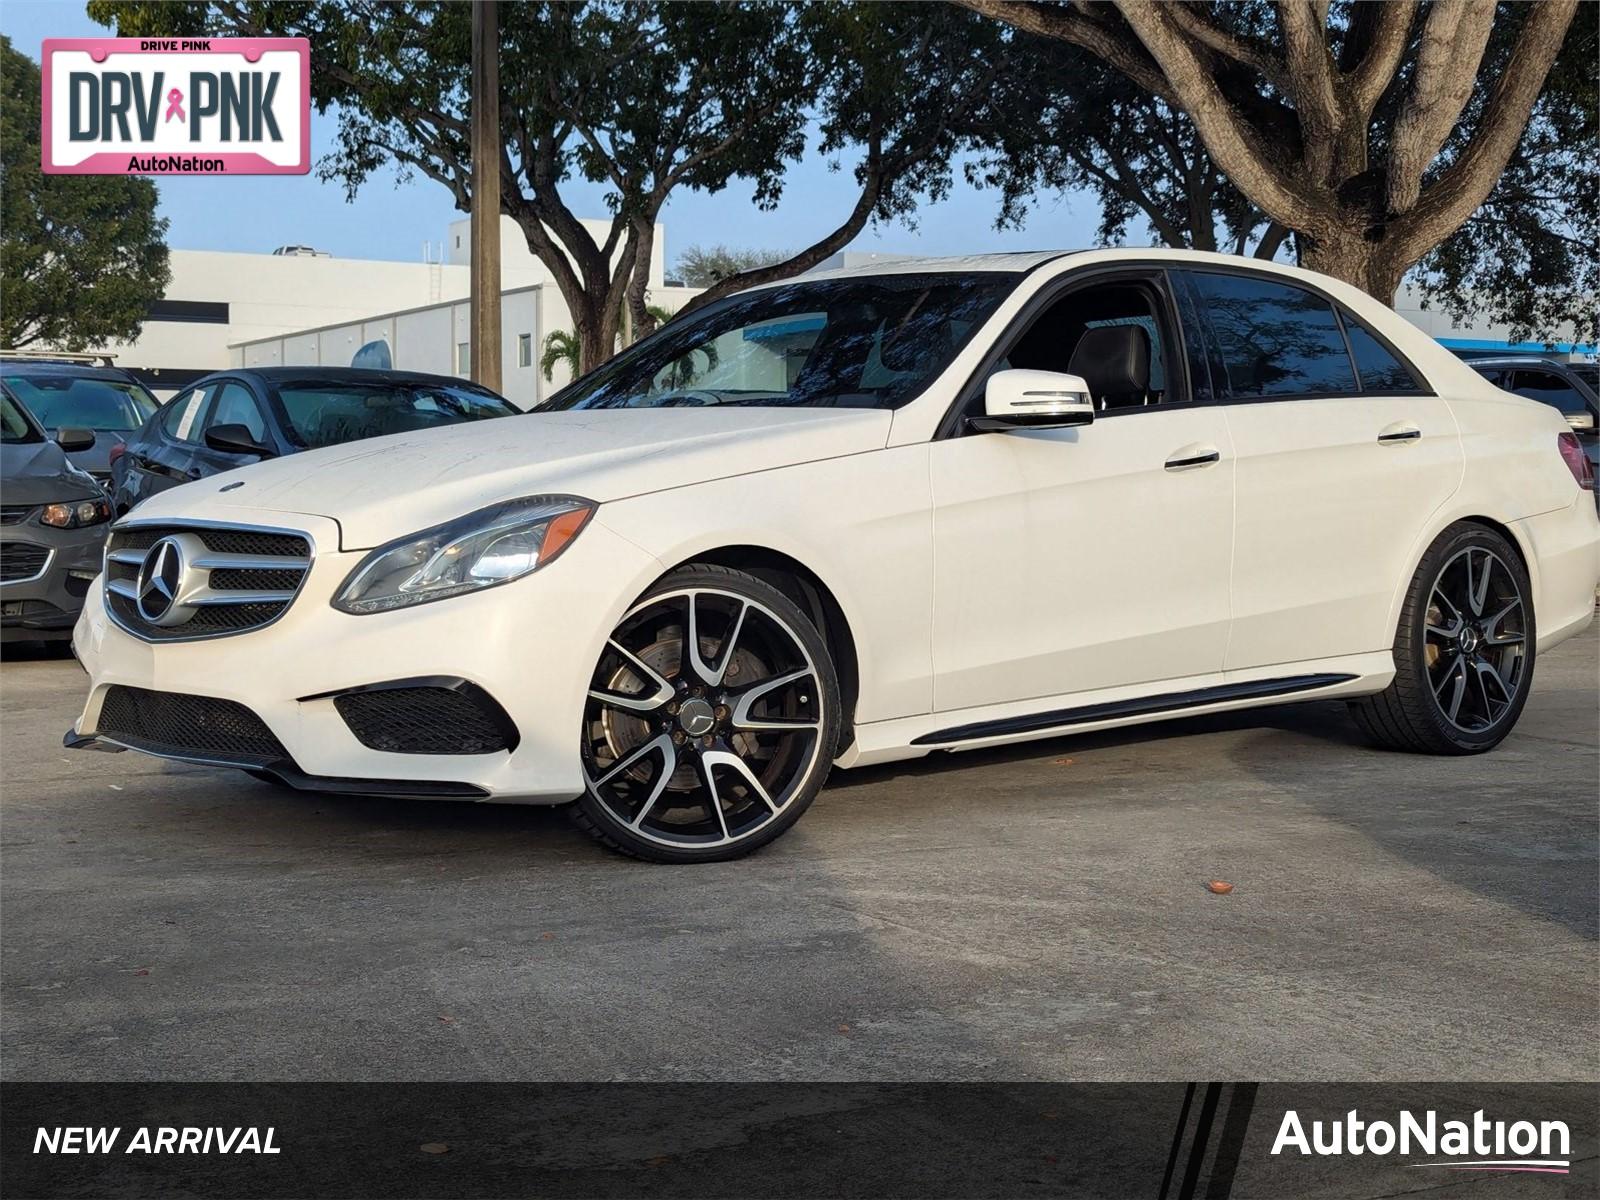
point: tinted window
(1380, 370)
(65, 401)
(235, 406)
(1549, 388)
(332, 413)
(872, 342)
(178, 419)
(1276, 339)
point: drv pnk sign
(177, 106)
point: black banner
(1157, 1141)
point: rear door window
(1379, 369)
(1276, 339)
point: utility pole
(484, 323)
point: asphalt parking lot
(1036, 913)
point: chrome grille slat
(254, 568)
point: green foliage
(561, 346)
(702, 266)
(82, 257)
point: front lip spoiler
(285, 772)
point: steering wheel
(686, 399)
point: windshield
(17, 428)
(329, 414)
(76, 402)
(869, 342)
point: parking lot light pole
(484, 332)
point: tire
(1464, 650)
(705, 757)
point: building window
(198, 312)
(524, 349)
(463, 358)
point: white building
(225, 309)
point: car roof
(280, 375)
(44, 366)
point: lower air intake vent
(444, 717)
(185, 726)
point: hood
(381, 488)
(39, 473)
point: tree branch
(1467, 182)
(1453, 41)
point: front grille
(236, 578)
(187, 726)
(428, 719)
(21, 560)
(15, 514)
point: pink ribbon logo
(175, 105)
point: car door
(1072, 560)
(1342, 456)
(162, 456)
(232, 404)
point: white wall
(268, 295)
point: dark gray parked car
(53, 521)
(74, 395)
(240, 416)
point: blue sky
(392, 220)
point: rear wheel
(711, 721)
(1464, 650)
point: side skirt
(1172, 702)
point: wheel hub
(696, 717)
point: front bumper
(530, 644)
(44, 606)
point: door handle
(1399, 433)
(1186, 457)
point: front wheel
(1464, 650)
(711, 721)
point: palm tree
(560, 347)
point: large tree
(642, 99)
(1092, 129)
(82, 257)
(1354, 125)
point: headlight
(74, 514)
(480, 550)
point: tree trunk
(1374, 267)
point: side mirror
(1581, 422)
(1034, 400)
(73, 440)
(236, 439)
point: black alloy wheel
(1464, 652)
(711, 721)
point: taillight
(115, 453)
(1577, 461)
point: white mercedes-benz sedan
(858, 517)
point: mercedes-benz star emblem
(160, 576)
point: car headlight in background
(480, 550)
(74, 514)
